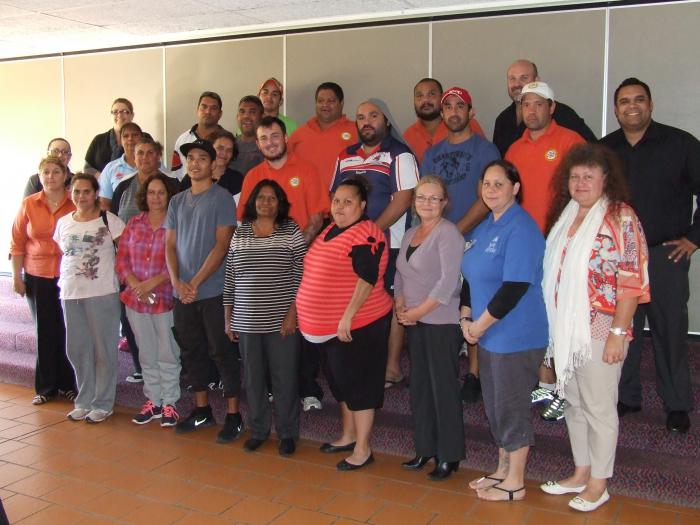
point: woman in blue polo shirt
(503, 312)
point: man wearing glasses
(57, 148)
(107, 146)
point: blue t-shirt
(195, 219)
(510, 249)
(460, 165)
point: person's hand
(142, 289)
(344, 329)
(233, 336)
(185, 292)
(471, 332)
(614, 351)
(19, 287)
(407, 316)
(289, 324)
(683, 248)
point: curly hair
(591, 155)
(142, 193)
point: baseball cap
(538, 88)
(276, 82)
(463, 95)
(204, 145)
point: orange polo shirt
(300, 182)
(321, 147)
(537, 160)
(32, 235)
(419, 140)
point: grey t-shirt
(195, 219)
(248, 156)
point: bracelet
(466, 318)
(618, 331)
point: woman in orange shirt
(35, 263)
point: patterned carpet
(651, 463)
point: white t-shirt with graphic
(87, 265)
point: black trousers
(53, 370)
(668, 321)
(131, 338)
(199, 330)
(309, 367)
(434, 384)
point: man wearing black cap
(199, 227)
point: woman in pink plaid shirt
(148, 298)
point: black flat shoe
(623, 409)
(678, 421)
(252, 444)
(331, 449)
(344, 466)
(287, 447)
(443, 470)
(416, 463)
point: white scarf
(569, 318)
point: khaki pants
(591, 414)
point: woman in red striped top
(342, 305)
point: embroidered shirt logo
(294, 182)
(551, 154)
(345, 135)
(491, 248)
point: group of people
(331, 246)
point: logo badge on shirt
(294, 182)
(551, 154)
(491, 248)
(345, 135)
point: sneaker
(169, 417)
(464, 351)
(541, 394)
(123, 345)
(136, 377)
(198, 418)
(233, 427)
(311, 402)
(78, 414)
(70, 395)
(149, 412)
(471, 389)
(98, 415)
(555, 410)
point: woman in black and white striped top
(263, 272)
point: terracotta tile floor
(55, 472)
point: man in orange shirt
(540, 149)
(324, 136)
(536, 155)
(298, 178)
(430, 129)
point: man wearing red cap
(271, 94)
(429, 128)
(459, 160)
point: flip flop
(497, 480)
(509, 492)
(391, 383)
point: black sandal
(510, 492)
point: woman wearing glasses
(107, 146)
(426, 290)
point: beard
(427, 114)
(278, 156)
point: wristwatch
(618, 331)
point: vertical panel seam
(165, 103)
(430, 50)
(64, 132)
(284, 73)
(606, 65)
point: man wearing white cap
(536, 155)
(271, 94)
(539, 150)
(509, 124)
